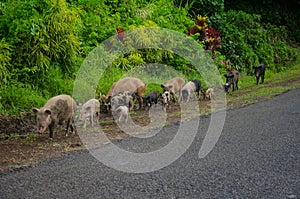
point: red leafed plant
(208, 35)
(212, 39)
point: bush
(5, 58)
(16, 98)
(246, 42)
(41, 33)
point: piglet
(165, 98)
(124, 98)
(209, 94)
(150, 99)
(90, 111)
(122, 113)
(188, 89)
(57, 110)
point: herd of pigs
(60, 110)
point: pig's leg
(92, 120)
(84, 125)
(262, 78)
(198, 95)
(174, 97)
(180, 97)
(73, 127)
(51, 129)
(188, 97)
(140, 102)
(97, 117)
(121, 116)
(68, 125)
(126, 118)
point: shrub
(41, 33)
(19, 97)
(5, 58)
(246, 42)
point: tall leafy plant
(5, 58)
(246, 42)
(42, 33)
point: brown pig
(174, 86)
(188, 89)
(131, 84)
(57, 110)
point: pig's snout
(41, 130)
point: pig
(124, 98)
(174, 86)
(104, 103)
(202, 91)
(259, 72)
(57, 110)
(190, 87)
(165, 100)
(122, 113)
(110, 92)
(209, 94)
(232, 78)
(131, 84)
(90, 111)
(150, 99)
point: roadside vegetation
(43, 43)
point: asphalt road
(257, 156)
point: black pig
(150, 99)
(259, 72)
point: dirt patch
(20, 147)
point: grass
(275, 83)
(249, 92)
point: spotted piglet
(165, 100)
(122, 113)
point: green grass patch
(275, 83)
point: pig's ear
(170, 87)
(47, 111)
(164, 87)
(35, 110)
